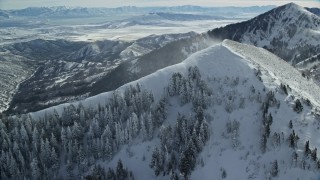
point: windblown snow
(280, 71)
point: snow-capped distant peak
(294, 9)
(293, 6)
(297, 8)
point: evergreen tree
(276, 139)
(111, 175)
(69, 169)
(314, 154)
(298, 106)
(121, 173)
(66, 117)
(160, 113)
(53, 141)
(295, 158)
(155, 163)
(35, 171)
(24, 134)
(144, 132)
(274, 169)
(307, 150)
(204, 131)
(82, 116)
(284, 88)
(184, 92)
(135, 125)
(270, 119)
(174, 176)
(290, 124)
(185, 166)
(267, 130)
(98, 173)
(263, 143)
(77, 132)
(293, 139)
(223, 173)
(82, 160)
(13, 167)
(96, 128)
(35, 139)
(63, 138)
(22, 162)
(172, 164)
(150, 124)
(54, 159)
(108, 151)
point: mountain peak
(294, 8)
(292, 5)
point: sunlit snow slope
(235, 72)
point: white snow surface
(218, 64)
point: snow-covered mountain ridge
(231, 70)
(229, 111)
(289, 31)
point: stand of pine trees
(74, 140)
(181, 144)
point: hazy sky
(16, 4)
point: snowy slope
(233, 71)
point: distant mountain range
(62, 11)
